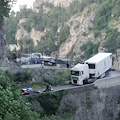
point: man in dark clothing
(67, 65)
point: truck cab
(79, 73)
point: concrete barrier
(107, 82)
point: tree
(64, 33)
(12, 105)
(10, 26)
(89, 49)
(4, 9)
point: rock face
(4, 53)
(63, 3)
(78, 26)
(22, 34)
(89, 103)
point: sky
(29, 4)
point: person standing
(42, 64)
(67, 65)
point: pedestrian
(42, 64)
(67, 65)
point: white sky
(29, 4)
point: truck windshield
(75, 73)
(91, 66)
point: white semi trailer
(92, 69)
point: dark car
(26, 91)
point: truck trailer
(95, 67)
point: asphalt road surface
(37, 66)
(111, 75)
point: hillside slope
(76, 32)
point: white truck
(92, 69)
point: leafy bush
(22, 76)
(58, 79)
(50, 102)
(52, 80)
(12, 105)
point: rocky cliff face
(89, 103)
(63, 3)
(23, 34)
(4, 53)
(78, 26)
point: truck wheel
(85, 82)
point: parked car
(26, 91)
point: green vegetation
(11, 28)
(89, 49)
(26, 45)
(4, 10)
(112, 40)
(58, 79)
(23, 76)
(54, 117)
(54, 79)
(55, 18)
(12, 105)
(105, 12)
(50, 102)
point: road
(113, 79)
(37, 66)
(101, 83)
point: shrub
(50, 102)
(52, 79)
(22, 76)
(58, 79)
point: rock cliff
(63, 3)
(23, 34)
(4, 52)
(89, 103)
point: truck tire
(85, 81)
